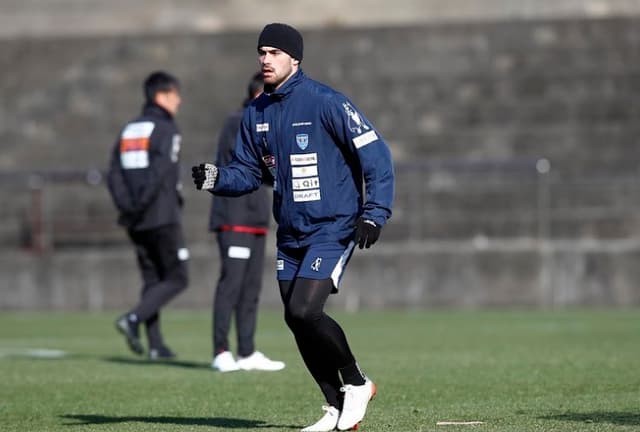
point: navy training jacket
(324, 157)
(144, 172)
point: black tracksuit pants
(162, 259)
(238, 290)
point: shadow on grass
(616, 418)
(221, 422)
(146, 362)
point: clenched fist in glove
(204, 176)
(367, 232)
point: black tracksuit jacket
(144, 173)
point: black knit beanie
(284, 37)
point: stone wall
(562, 89)
(448, 96)
(461, 94)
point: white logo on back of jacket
(134, 145)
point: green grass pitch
(513, 370)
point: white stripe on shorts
(336, 274)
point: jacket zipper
(282, 150)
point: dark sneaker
(130, 331)
(161, 353)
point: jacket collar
(152, 109)
(289, 85)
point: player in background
(144, 181)
(241, 225)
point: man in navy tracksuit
(241, 225)
(333, 188)
(144, 181)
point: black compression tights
(320, 339)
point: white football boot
(258, 361)
(327, 423)
(224, 362)
(356, 399)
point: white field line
(458, 423)
(43, 353)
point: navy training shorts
(318, 262)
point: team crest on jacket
(302, 140)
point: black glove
(367, 232)
(204, 176)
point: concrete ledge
(523, 273)
(34, 18)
